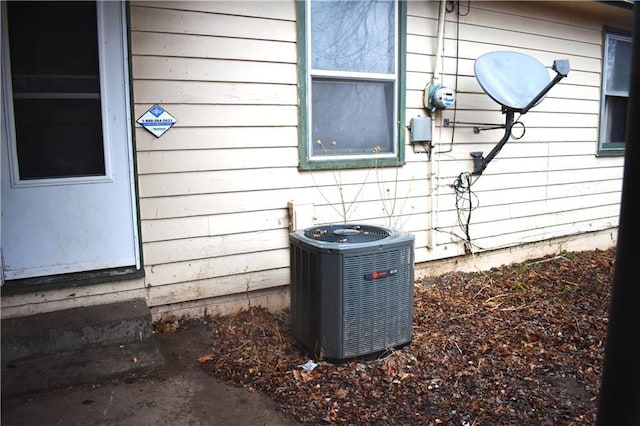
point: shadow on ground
(180, 393)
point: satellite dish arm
(479, 162)
(561, 67)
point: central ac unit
(351, 289)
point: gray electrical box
(420, 129)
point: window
(351, 83)
(616, 68)
(56, 91)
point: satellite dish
(516, 81)
(511, 79)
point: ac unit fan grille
(347, 233)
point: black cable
(450, 6)
(524, 128)
(466, 225)
(465, 196)
(455, 108)
(468, 8)
(462, 184)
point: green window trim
(350, 163)
(609, 148)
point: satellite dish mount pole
(479, 161)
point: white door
(67, 170)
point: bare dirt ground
(520, 344)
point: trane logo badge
(380, 274)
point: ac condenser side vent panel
(377, 313)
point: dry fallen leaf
(342, 393)
(303, 376)
(534, 360)
(205, 358)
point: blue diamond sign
(156, 120)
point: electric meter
(439, 97)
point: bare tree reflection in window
(353, 36)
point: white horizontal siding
(229, 115)
(273, 9)
(216, 267)
(214, 189)
(214, 246)
(186, 138)
(219, 224)
(208, 69)
(215, 159)
(257, 200)
(242, 283)
(249, 175)
(215, 21)
(212, 47)
(523, 203)
(550, 183)
(225, 93)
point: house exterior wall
(214, 189)
(549, 183)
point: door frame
(43, 283)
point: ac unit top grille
(347, 233)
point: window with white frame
(616, 69)
(351, 82)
